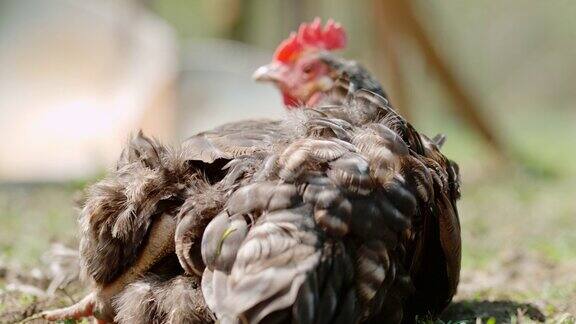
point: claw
(83, 308)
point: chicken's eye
(308, 69)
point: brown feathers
(158, 300)
(149, 180)
(352, 182)
(337, 214)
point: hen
(338, 220)
(336, 214)
(305, 70)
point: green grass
(33, 217)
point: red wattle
(289, 101)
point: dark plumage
(356, 221)
(358, 76)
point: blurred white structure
(76, 77)
(216, 85)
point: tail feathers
(150, 179)
(439, 140)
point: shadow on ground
(502, 311)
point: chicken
(337, 213)
(306, 60)
(341, 221)
(352, 216)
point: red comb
(311, 36)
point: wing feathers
(315, 219)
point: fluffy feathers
(342, 213)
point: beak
(267, 73)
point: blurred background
(497, 77)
